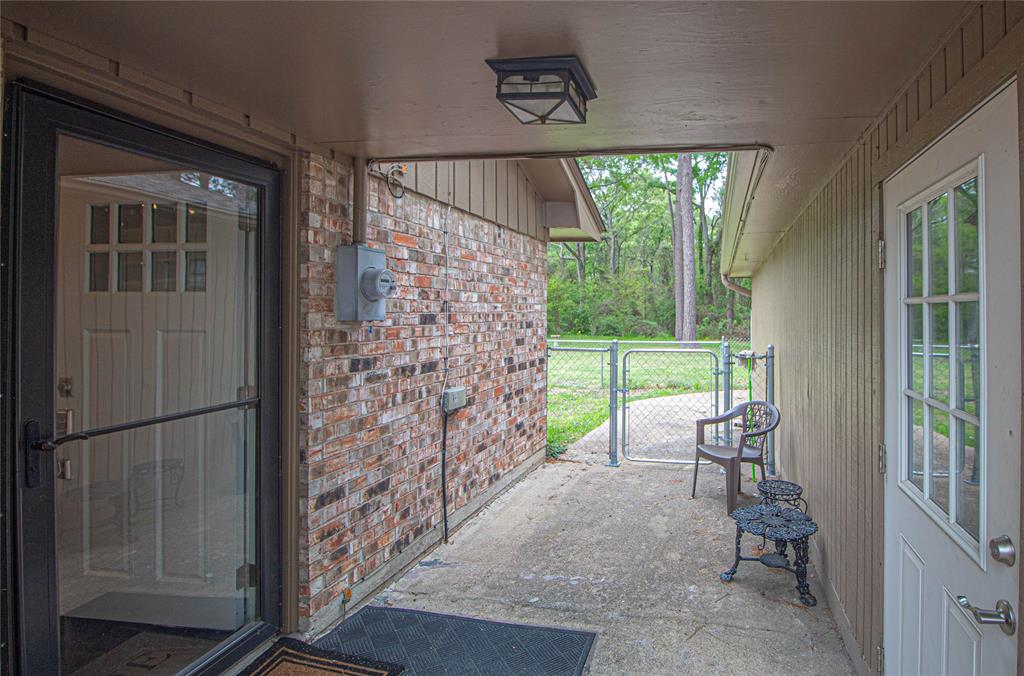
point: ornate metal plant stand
(779, 491)
(783, 526)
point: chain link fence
(642, 398)
(578, 391)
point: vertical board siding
(490, 186)
(818, 299)
(938, 70)
(426, 178)
(955, 56)
(501, 195)
(460, 188)
(993, 22)
(1013, 13)
(825, 441)
(972, 40)
(444, 182)
(495, 190)
(476, 187)
(513, 192)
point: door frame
(34, 116)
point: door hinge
(881, 254)
(881, 459)
(245, 576)
(880, 656)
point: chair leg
(761, 465)
(732, 474)
(739, 477)
(696, 465)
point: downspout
(733, 286)
(360, 200)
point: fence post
(624, 391)
(727, 386)
(769, 367)
(613, 404)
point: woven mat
(432, 643)
(288, 657)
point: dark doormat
(288, 657)
(432, 643)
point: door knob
(1002, 615)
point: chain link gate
(645, 400)
(664, 391)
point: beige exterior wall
(818, 299)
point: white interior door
(154, 319)
(953, 397)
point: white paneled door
(953, 400)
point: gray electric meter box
(362, 283)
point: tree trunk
(699, 255)
(581, 271)
(611, 252)
(706, 251)
(685, 286)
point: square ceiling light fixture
(545, 90)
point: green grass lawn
(578, 381)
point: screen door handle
(1002, 615)
(34, 444)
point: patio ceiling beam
(573, 154)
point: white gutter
(757, 171)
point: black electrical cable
(444, 470)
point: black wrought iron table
(783, 526)
(780, 491)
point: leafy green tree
(624, 284)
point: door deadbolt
(1002, 550)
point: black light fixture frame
(567, 68)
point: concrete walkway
(662, 427)
(625, 552)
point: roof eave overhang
(592, 225)
(572, 215)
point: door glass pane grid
(942, 380)
(140, 255)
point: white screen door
(953, 397)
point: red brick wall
(370, 424)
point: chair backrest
(759, 418)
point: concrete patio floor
(625, 552)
